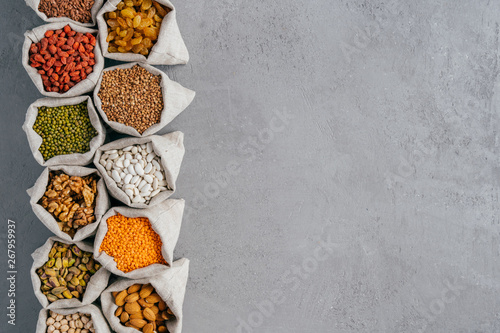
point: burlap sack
(169, 147)
(165, 218)
(100, 324)
(38, 190)
(95, 8)
(169, 49)
(175, 99)
(170, 285)
(35, 140)
(96, 285)
(82, 87)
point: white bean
(141, 184)
(116, 176)
(156, 165)
(148, 178)
(159, 175)
(127, 178)
(139, 169)
(126, 163)
(148, 168)
(113, 156)
(146, 188)
(131, 169)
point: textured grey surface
(390, 153)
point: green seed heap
(64, 130)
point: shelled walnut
(71, 200)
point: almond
(148, 328)
(132, 308)
(128, 324)
(162, 329)
(155, 309)
(162, 305)
(138, 322)
(153, 298)
(146, 290)
(119, 311)
(165, 315)
(134, 288)
(137, 315)
(120, 298)
(124, 317)
(132, 298)
(144, 304)
(149, 314)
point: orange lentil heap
(132, 242)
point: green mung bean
(64, 130)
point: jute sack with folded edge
(97, 283)
(165, 219)
(35, 140)
(169, 147)
(95, 8)
(169, 48)
(169, 285)
(38, 190)
(175, 99)
(82, 87)
(99, 322)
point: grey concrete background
(389, 155)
